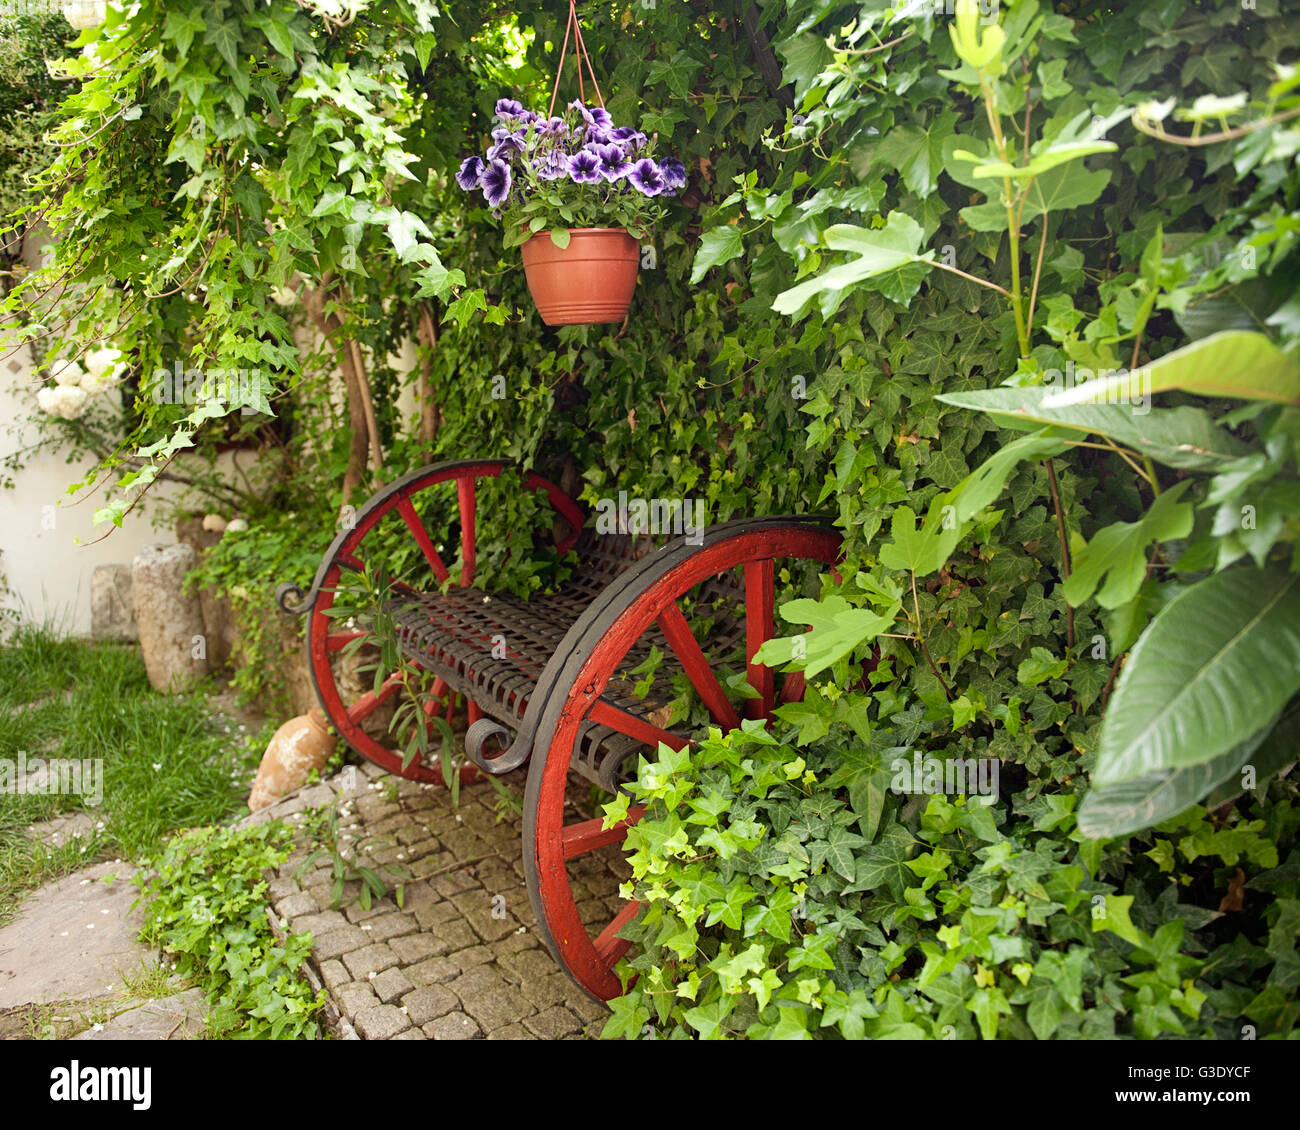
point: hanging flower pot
(578, 193)
(587, 282)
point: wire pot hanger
(580, 53)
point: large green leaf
(1280, 748)
(1234, 363)
(836, 629)
(887, 256)
(1129, 806)
(719, 245)
(1119, 551)
(984, 484)
(1217, 659)
(1177, 437)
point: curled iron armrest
(513, 755)
(290, 598)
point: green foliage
(777, 904)
(205, 906)
(32, 37)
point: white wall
(44, 532)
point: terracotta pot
(299, 746)
(588, 282)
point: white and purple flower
(467, 176)
(496, 181)
(595, 116)
(613, 165)
(647, 178)
(584, 167)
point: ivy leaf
(1113, 915)
(916, 152)
(404, 228)
(812, 716)
(719, 245)
(1039, 667)
(1119, 551)
(224, 36)
(180, 26)
(884, 864)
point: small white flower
(90, 925)
(366, 926)
(96, 1027)
(67, 374)
(370, 976)
(157, 766)
(64, 934)
(101, 361)
(66, 401)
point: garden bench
(550, 680)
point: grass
(167, 762)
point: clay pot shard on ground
(299, 746)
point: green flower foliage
(206, 907)
(778, 903)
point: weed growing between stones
(206, 908)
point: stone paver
(74, 939)
(458, 957)
(178, 1017)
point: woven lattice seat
(493, 647)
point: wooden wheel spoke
(422, 539)
(337, 641)
(588, 835)
(793, 688)
(466, 503)
(608, 945)
(369, 702)
(759, 599)
(683, 643)
(607, 714)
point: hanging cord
(580, 52)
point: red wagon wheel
(646, 601)
(371, 539)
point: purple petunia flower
(584, 167)
(496, 181)
(554, 128)
(467, 176)
(508, 108)
(613, 166)
(647, 178)
(553, 166)
(596, 116)
(508, 141)
(674, 173)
